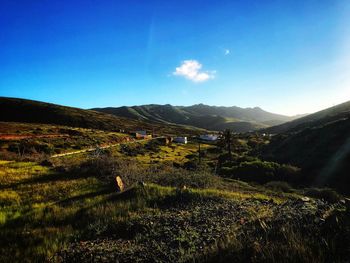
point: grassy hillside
(180, 204)
(322, 151)
(37, 141)
(70, 213)
(203, 116)
(29, 111)
(320, 118)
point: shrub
(326, 194)
(191, 165)
(226, 171)
(132, 150)
(191, 156)
(288, 173)
(256, 171)
(180, 177)
(30, 147)
(279, 186)
(153, 146)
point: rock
(305, 199)
(120, 184)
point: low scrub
(106, 167)
(261, 172)
(326, 194)
(279, 186)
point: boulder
(119, 184)
(305, 199)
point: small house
(208, 137)
(141, 135)
(141, 132)
(180, 140)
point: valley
(245, 197)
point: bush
(30, 147)
(153, 146)
(132, 150)
(288, 173)
(180, 177)
(256, 171)
(326, 194)
(279, 186)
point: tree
(225, 140)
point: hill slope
(319, 144)
(29, 111)
(338, 112)
(202, 116)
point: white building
(208, 137)
(142, 132)
(180, 140)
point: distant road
(101, 147)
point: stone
(305, 199)
(120, 184)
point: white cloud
(190, 69)
(226, 52)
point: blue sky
(287, 57)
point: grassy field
(41, 209)
(47, 214)
(175, 207)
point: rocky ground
(216, 229)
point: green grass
(63, 139)
(42, 210)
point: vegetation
(28, 111)
(241, 202)
(71, 212)
(37, 142)
(226, 141)
(202, 116)
(323, 153)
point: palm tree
(225, 140)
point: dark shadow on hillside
(71, 200)
(54, 177)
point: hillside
(69, 209)
(202, 116)
(320, 118)
(29, 111)
(320, 146)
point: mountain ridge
(318, 118)
(31, 111)
(201, 116)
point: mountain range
(318, 143)
(30, 111)
(201, 116)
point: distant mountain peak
(203, 116)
